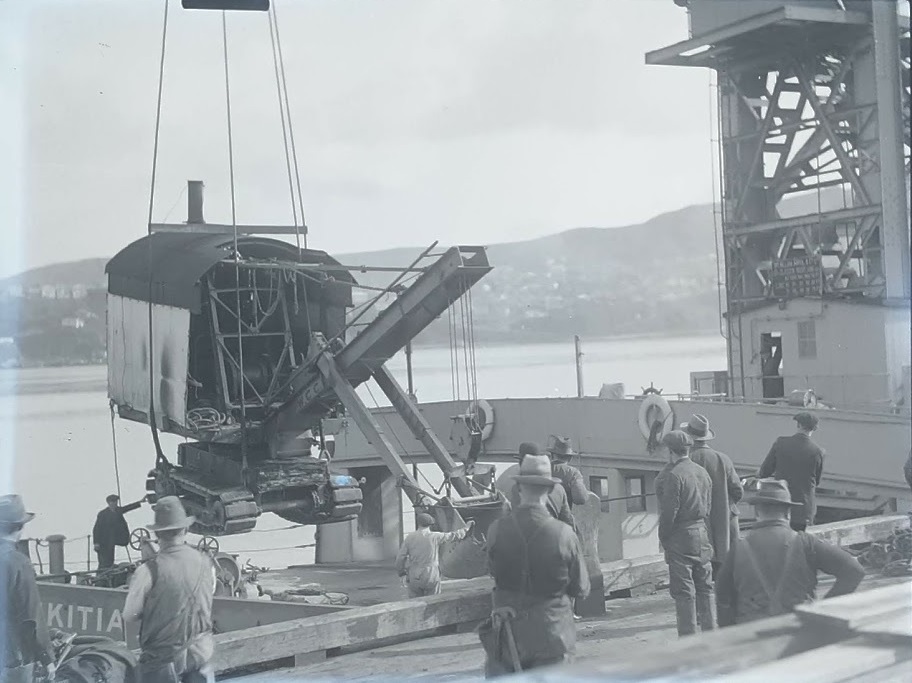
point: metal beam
(222, 229)
(837, 216)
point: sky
(464, 121)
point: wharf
(629, 625)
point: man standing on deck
(556, 503)
(170, 603)
(684, 494)
(419, 557)
(111, 529)
(726, 488)
(799, 461)
(571, 479)
(24, 640)
(773, 568)
(538, 569)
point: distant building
(76, 323)
(80, 291)
(48, 291)
(64, 292)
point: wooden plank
(867, 611)
(863, 530)
(900, 672)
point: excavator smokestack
(195, 201)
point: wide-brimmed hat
(170, 515)
(771, 492)
(12, 510)
(806, 420)
(536, 469)
(559, 447)
(698, 428)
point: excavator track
(218, 512)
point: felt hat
(806, 420)
(527, 448)
(677, 441)
(12, 510)
(559, 447)
(698, 428)
(536, 469)
(170, 515)
(771, 492)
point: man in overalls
(419, 557)
(170, 603)
(538, 570)
(773, 568)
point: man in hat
(170, 603)
(24, 640)
(799, 461)
(684, 494)
(556, 503)
(538, 569)
(726, 488)
(571, 479)
(419, 557)
(111, 529)
(773, 568)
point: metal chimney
(195, 202)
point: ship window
(807, 339)
(599, 486)
(636, 494)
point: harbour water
(57, 446)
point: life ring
(648, 419)
(483, 415)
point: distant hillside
(656, 277)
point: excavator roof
(166, 267)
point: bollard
(56, 564)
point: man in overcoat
(726, 488)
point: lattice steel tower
(813, 114)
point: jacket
(111, 528)
(171, 596)
(773, 569)
(538, 567)
(572, 482)
(684, 494)
(726, 492)
(24, 638)
(799, 461)
(421, 550)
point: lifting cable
(237, 255)
(114, 441)
(159, 454)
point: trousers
(167, 673)
(423, 581)
(688, 554)
(105, 556)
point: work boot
(706, 611)
(686, 612)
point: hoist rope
(275, 65)
(159, 454)
(237, 255)
(294, 153)
(114, 442)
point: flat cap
(677, 441)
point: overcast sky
(474, 121)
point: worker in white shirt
(419, 557)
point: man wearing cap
(556, 503)
(726, 488)
(684, 494)
(538, 569)
(24, 638)
(419, 557)
(571, 479)
(111, 529)
(773, 568)
(799, 461)
(170, 603)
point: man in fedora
(684, 494)
(571, 479)
(538, 569)
(170, 602)
(24, 641)
(726, 488)
(774, 568)
(111, 529)
(419, 557)
(799, 461)
(556, 503)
